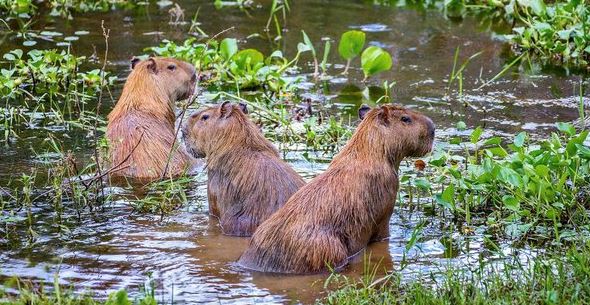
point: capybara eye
(171, 67)
(205, 117)
(406, 119)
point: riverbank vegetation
(523, 193)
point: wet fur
(342, 210)
(140, 130)
(247, 180)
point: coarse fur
(348, 206)
(140, 130)
(247, 180)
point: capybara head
(176, 78)
(219, 128)
(153, 86)
(401, 131)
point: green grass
(555, 279)
(21, 292)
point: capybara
(247, 180)
(340, 211)
(141, 126)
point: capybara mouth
(194, 152)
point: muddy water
(185, 253)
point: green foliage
(63, 8)
(29, 293)
(518, 187)
(226, 65)
(374, 60)
(351, 44)
(556, 32)
(554, 279)
(49, 82)
(47, 75)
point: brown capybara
(247, 180)
(140, 130)
(339, 212)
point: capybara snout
(208, 130)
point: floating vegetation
(518, 190)
(64, 8)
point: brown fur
(141, 126)
(247, 179)
(339, 212)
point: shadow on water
(186, 252)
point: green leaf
(375, 60)
(447, 198)
(476, 134)
(498, 151)
(461, 125)
(493, 141)
(228, 47)
(566, 128)
(510, 176)
(511, 203)
(307, 42)
(247, 59)
(351, 44)
(302, 48)
(519, 139)
(422, 184)
(542, 170)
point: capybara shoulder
(140, 127)
(340, 211)
(247, 180)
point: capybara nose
(194, 78)
(431, 127)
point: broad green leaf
(228, 47)
(493, 141)
(375, 60)
(351, 44)
(510, 176)
(447, 198)
(476, 134)
(422, 184)
(498, 151)
(301, 48)
(519, 139)
(247, 59)
(566, 128)
(511, 203)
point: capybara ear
(244, 107)
(152, 66)
(363, 110)
(134, 62)
(225, 109)
(384, 115)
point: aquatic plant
(64, 8)
(521, 190)
(374, 60)
(350, 46)
(560, 278)
(29, 293)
